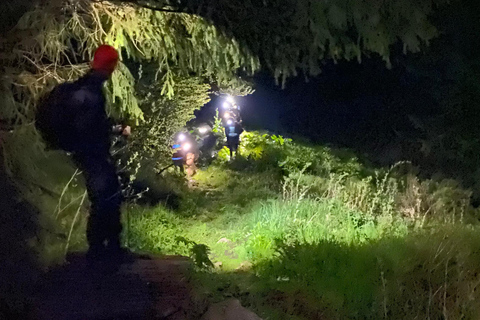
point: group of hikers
(73, 118)
(189, 147)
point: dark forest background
(424, 109)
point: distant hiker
(231, 114)
(232, 131)
(73, 118)
(235, 112)
(190, 150)
(190, 162)
(178, 157)
(207, 142)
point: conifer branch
(146, 6)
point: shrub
(441, 200)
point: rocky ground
(144, 288)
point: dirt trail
(155, 288)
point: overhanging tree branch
(164, 7)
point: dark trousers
(232, 144)
(104, 192)
(179, 165)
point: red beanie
(105, 58)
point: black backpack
(54, 118)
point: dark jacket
(73, 116)
(178, 157)
(233, 131)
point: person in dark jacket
(73, 119)
(233, 130)
(178, 157)
(207, 141)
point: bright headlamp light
(187, 146)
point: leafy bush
(165, 116)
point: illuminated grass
(328, 239)
(320, 257)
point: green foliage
(120, 91)
(234, 86)
(312, 220)
(254, 145)
(327, 237)
(164, 117)
(19, 221)
(297, 35)
(444, 200)
(53, 41)
(155, 231)
(217, 126)
(224, 154)
(198, 253)
(53, 186)
(336, 174)
(176, 43)
(420, 275)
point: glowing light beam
(187, 146)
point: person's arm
(127, 130)
(120, 129)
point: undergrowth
(306, 232)
(297, 231)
